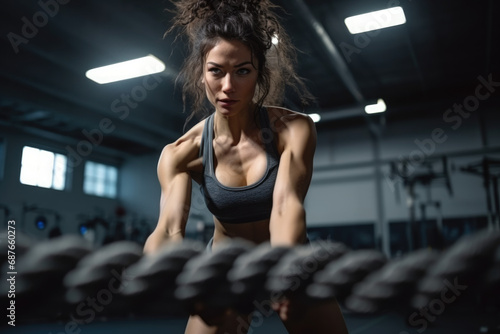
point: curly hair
(253, 23)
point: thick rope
(60, 277)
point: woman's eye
(214, 70)
(243, 71)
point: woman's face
(230, 77)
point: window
(43, 168)
(100, 180)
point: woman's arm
(288, 222)
(175, 200)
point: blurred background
(78, 157)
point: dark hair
(251, 22)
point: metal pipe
(334, 56)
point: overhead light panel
(376, 108)
(126, 70)
(315, 117)
(375, 20)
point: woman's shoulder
(185, 149)
(285, 120)
(291, 127)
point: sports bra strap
(266, 134)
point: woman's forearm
(159, 239)
(288, 226)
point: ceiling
(424, 66)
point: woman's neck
(235, 127)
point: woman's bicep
(294, 176)
(175, 197)
(296, 161)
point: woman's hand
(303, 315)
(157, 240)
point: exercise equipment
(150, 283)
(99, 275)
(489, 170)
(40, 271)
(422, 173)
(203, 286)
(68, 278)
(45, 219)
(249, 274)
(339, 277)
(295, 272)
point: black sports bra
(239, 204)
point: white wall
(139, 187)
(69, 204)
(343, 189)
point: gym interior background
(422, 174)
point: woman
(253, 163)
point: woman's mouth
(226, 102)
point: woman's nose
(227, 84)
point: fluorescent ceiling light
(376, 108)
(315, 117)
(126, 70)
(375, 20)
